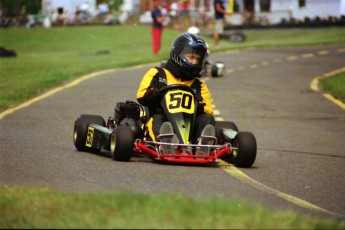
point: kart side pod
(98, 137)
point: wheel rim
(75, 135)
(112, 144)
(235, 151)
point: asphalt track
(271, 92)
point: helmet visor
(193, 56)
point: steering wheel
(166, 88)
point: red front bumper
(183, 157)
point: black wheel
(220, 125)
(81, 129)
(245, 154)
(122, 143)
(214, 70)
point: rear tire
(245, 155)
(122, 143)
(217, 69)
(214, 70)
(81, 128)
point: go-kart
(215, 69)
(232, 36)
(124, 134)
(237, 36)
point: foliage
(14, 8)
(113, 4)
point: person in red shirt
(157, 26)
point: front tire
(220, 125)
(81, 129)
(122, 143)
(245, 154)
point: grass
(46, 58)
(295, 37)
(43, 208)
(335, 85)
(50, 57)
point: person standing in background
(220, 12)
(157, 25)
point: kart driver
(187, 59)
(195, 30)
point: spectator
(85, 10)
(60, 20)
(220, 13)
(30, 21)
(157, 25)
(173, 13)
(103, 9)
(165, 13)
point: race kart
(124, 134)
(215, 69)
(236, 37)
(232, 36)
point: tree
(113, 4)
(14, 8)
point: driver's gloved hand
(200, 108)
(200, 105)
(199, 98)
(151, 95)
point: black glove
(151, 95)
(199, 98)
(200, 104)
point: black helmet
(192, 45)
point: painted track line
(53, 91)
(314, 85)
(247, 180)
(60, 88)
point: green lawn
(335, 85)
(49, 57)
(43, 208)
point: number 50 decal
(180, 101)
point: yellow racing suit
(154, 79)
